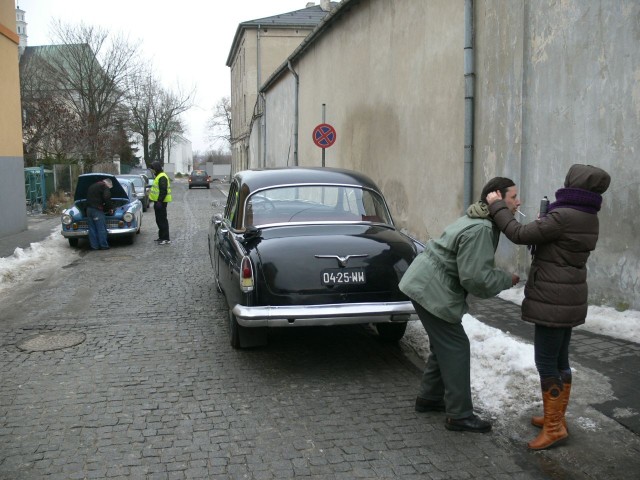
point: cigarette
(518, 211)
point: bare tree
(156, 114)
(219, 124)
(166, 124)
(50, 128)
(142, 90)
(89, 70)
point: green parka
(461, 261)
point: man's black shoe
(472, 423)
(423, 405)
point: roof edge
(306, 43)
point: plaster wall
(260, 52)
(13, 214)
(558, 83)
(390, 74)
(280, 124)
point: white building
(178, 156)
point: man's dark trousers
(447, 375)
(162, 221)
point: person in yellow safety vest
(160, 195)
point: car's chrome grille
(83, 224)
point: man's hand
(494, 197)
(515, 279)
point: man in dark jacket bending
(98, 202)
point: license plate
(343, 276)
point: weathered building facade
(13, 214)
(258, 48)
(431, 99)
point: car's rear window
(315, 203)
(198, 173)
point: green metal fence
(38, 183)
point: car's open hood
(88, 179)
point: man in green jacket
(461, 261)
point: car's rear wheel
(243, 337)
(391, 332)
(234, 330)
(73, 242)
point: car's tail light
(246, 275)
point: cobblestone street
(150, 387)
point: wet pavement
(118, 365)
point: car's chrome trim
(331, 314)
(110, 231)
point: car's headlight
(66, 219)
(128, 217)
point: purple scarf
(578, 199)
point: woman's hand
(494, 197)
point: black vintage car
(309, 246)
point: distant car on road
(142, 190)
(199, 178)
(309, 246)
(125, 222)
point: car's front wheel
(391, 332)
(73, 242)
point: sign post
(324, 135)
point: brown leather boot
(552, 429)
(538, 421)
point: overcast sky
(187, 46)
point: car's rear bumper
(332, 314)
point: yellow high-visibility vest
(154, 193)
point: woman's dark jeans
(551, 346)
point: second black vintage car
(309, 246)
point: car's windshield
(315, 203)
(137, 181)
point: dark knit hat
(156, 167)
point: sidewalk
(39, 227)
(616, 359)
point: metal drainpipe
(258, 79)
(469, 87)
(295, 116)
(264, 130)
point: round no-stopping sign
(324, 135)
